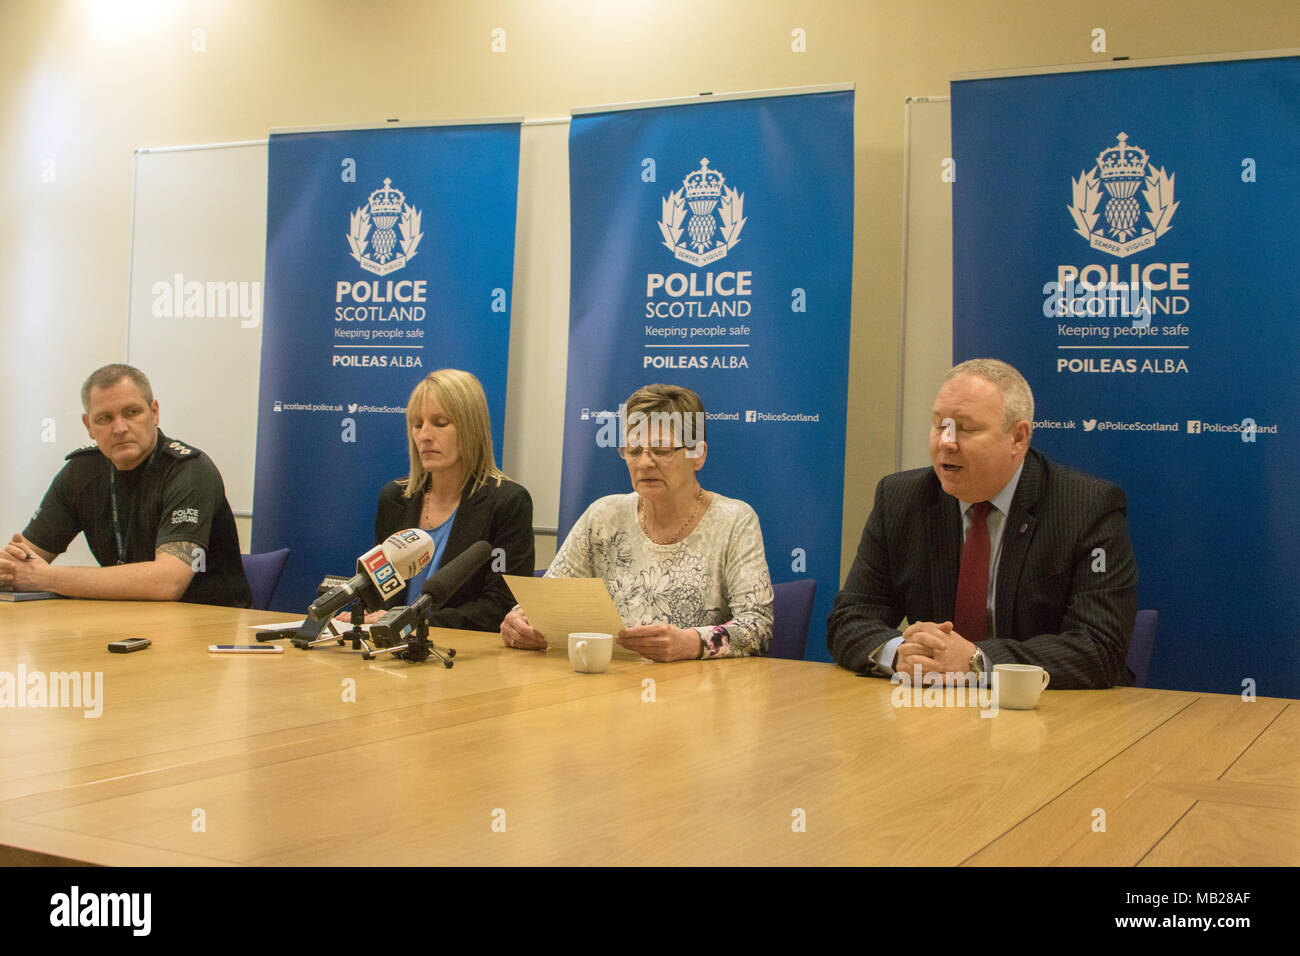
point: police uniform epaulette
(83, 450)
(178, 449)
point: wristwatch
(977, 664)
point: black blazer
(1051, 607)
(501, 515)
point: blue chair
(1142, 645)
(792, 604)
(263, 572)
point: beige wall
(87, 82)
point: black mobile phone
(129, 645)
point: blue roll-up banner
(712, 247)
(1127, 239)
(389, 254)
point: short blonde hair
(461, 396)
(1017, 397)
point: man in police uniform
(153, 510)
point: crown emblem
(703, 185)
(386, 205)
(1122, 161)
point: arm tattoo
(182, 550)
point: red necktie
(973, 579)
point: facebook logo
(1193, 427)
(751, 416)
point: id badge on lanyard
(112, 497)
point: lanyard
(112, 497)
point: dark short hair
(110, 375)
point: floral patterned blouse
(715, 580)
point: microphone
(447, 580)
(381, 572)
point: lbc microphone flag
(1126, 238)
(389, 254)
(712, 247)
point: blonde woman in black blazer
(454, 478)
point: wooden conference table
(512, 758)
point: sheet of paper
(334, 626)
(559, 607)
(286, 626)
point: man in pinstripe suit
(1051, 543)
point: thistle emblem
(1122, 170)
(716, 217)
(385, 207)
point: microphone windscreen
(446, 581)
(409, 551)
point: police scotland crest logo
(1117, 223)
(387, 208)
(708, 211)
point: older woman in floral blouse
(685, 566)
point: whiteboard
(925, 338)
(200, 213)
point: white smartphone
(245, 649)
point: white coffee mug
(1019, 685)
(590, 653)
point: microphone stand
(358, 636)
(411, 623)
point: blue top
(439, 536)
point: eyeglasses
(634, 452)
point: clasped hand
(934, 648)
(21, 568)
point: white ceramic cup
(590, 653)
(1019, 685)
